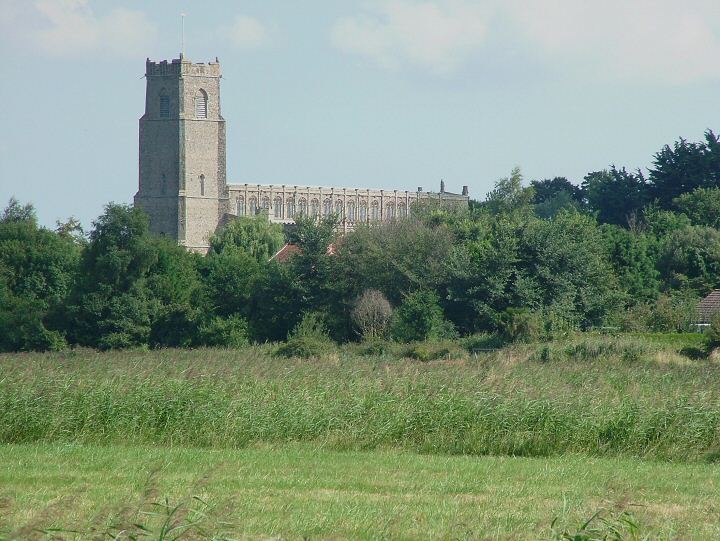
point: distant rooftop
(709, 307)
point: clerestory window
(291, 208)
(277, 207)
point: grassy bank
(600, 396)
(297, 491)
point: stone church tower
(182, 182)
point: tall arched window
(351, 211)
(201, 100)
(202, 184)
(363, 211)
(265, 203)
(277, 207)
(327, 207)
(290, 208)
(164, 104)
(390, 212)
(375, 211)
(241, 206)
(253, 206)
(314, 208)
(303, 207)
(339, 207)
(402, 210)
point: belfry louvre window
(164, 106)
(201, 104)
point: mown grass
(298, 491)
(600, 396)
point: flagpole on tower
(182, 35)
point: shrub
(672, 312)
(375, 348)
(421, 318)
(433, 351)
(477, 343)
(713, 333)
(309, 339)
(519, 325)
(371, 314)
(228, 332)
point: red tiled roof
(289, 250)
(286, 252)
(709, 306)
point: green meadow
(309, 492)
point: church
(182, 168)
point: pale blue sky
(379, 93)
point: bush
(226, 332)
(309, 339)
(673, 312)
(421, 318)
(371, 314)
(433, 351)
(375, 348)
(477, 343)
(713, 333)
(519, 325)
(22, 327)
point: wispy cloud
(437, 36)
(71, 27)
(661, 41)
(246, 32)
(648, 40)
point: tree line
(622, 249)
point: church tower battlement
(182, 168)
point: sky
(390, 94)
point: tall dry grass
(600, 396)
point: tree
(557, 267)
(420, 317)
(257, 236)
(702, 206)
(615, 195)
(548, 189)
(314, 236)
(230, 277)
(133, 287)
(371, 314)
(395, 258)
(552, 206)
(15, 212)
(509, 195)
(37, 270)
(482, 272)
(632, 254)
(684, 168)
(690, 257)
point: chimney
(465, 191)
(442, 186)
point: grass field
(300, 491)
(358, 445)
